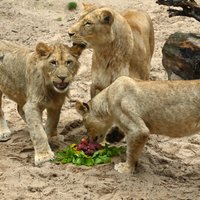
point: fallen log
(181, 55)
(189, 8)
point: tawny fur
(123, 43)
(141, 108)
(36, 80)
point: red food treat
(89, 147)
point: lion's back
(8, 46)
(141, 23)
(12, 70)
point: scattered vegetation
(72, 5)
(58, 19)
(88, 153)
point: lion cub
(37, 80)
(141, 108)
(122, 43)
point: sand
(169, 169)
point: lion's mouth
(61, 86)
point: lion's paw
(5, 136)
(123, 168)
(43, 157)
(57, 138)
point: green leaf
(83, 155)
(98, 161)
(89, 162)
(105, 159)
(79, 161)
(99, 152)
(74, 160)
(109, 153)
(64, 161)
(69, 160)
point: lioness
(123, 44)
(37, 80)
(141, 108)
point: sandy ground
(169, 168)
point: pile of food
(88, 153)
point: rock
(181, 55)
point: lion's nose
(71, 34)
(62, 78)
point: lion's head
(59, 64)
(96, 125)
(94, 26)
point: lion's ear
(77, 49)
(107, 17)
(87, 6)
(82, 108)
(42, 49)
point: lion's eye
(69, 62)
(53, 62)
(87, 24)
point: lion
(122, 43)
(142, 108)
(36, 80)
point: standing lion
(122, 43)
(37, 80)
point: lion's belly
(12, 84)
(177, 130)
(180, 125)
(19, 98)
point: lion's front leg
(53, 116)
(39, 138)
(5, 133)
(135, 144)
(137, 136)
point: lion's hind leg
(136, 136)
(21, 112)
(5, 133)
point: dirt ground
(169, 169)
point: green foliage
(71, 155)
(58, 19)
(72, 5)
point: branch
(189, 8)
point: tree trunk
(181, 55)
(190, 8)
